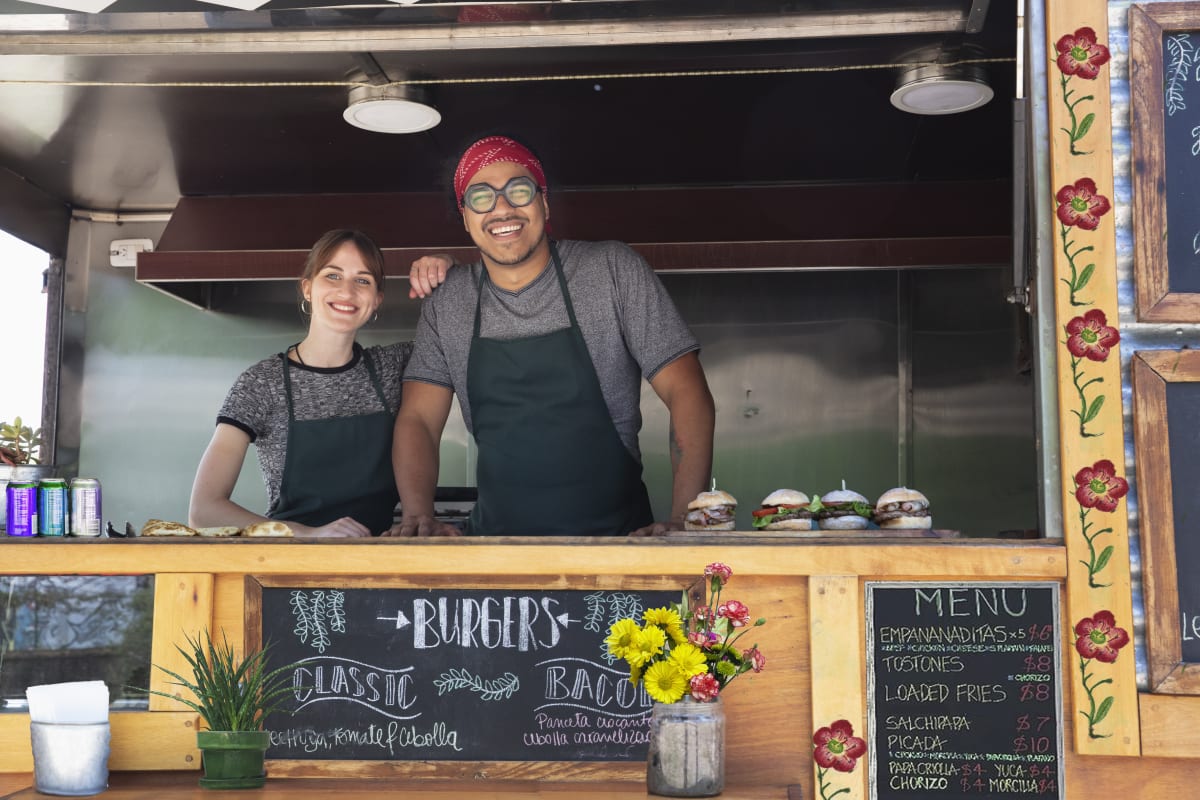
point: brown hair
(327, 245)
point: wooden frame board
(1151, 371)
(1154, 301)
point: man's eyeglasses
(518, 192)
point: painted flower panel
(1090, 336)
(838, 747)
(1099, 637)
(1080, 54)
(1100, 487)
(1080, 205)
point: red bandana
(489, 151)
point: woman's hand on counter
(344, 528)
(659, 528)
(422, 525)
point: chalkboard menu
(454, 674)
(1181, 148)
(1183, 434)
(963, 690)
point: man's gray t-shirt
(629, 323)
(257, 403)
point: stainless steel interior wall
(876, 378)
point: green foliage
(231, 694)
(19, 444)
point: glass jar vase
(686, 757)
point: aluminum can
(21, 505)
(52, 507)
(86, 519)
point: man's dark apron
(339, 467)
(550, 459)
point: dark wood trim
(1151, 371)
(1154, 301)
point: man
(545, 345)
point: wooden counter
(810, 591)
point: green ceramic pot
(233, 759)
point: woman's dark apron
(550, 459)
(339, 467)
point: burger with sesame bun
(711, 511)
(844, 510)
(784, 510)
(902, 508)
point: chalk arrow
(400, 620)
(564, 619)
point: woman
(321, 414)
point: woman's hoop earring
(306, 311)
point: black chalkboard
(455, 674)
(1181, 145)
(963, 691)
(1183, 432)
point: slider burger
(710, 511)
(784, 510)
(902, 508)
(844, 510)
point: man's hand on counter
(659, 528)
(423, 525)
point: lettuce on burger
(784, 510)
(844, 510)
(902, 508)
(711, 511)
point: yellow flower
(669, 620)
(689, 659)
(665, 682)
(645, 645)
(620, 637)
(635, 675)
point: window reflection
(60, 628)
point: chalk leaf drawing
(1181, 56)
(605, 608)
(318, 613)
(500, 688)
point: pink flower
(718, 570)
(838, 747)
(756, 658)
(1080, 206)
(1098, 486)
(704, 687)
(703, 639)
(1099, 637)
(1091, 336)
(1081, 55)
(736, 612)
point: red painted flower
(718, 570)
(736, 612)
(1081, 54)
(704, 687)
(838, 747)
(1099, 486)
(1099, 637)
(1080, 206)
(756, 659)
(1091, 336)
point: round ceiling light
(390, 109)
(934, 89)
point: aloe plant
(19, 444)
(231, 693)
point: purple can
(21, 505)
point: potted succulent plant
(232, 695)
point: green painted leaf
(1085, 276)
(1094, 409)
(1085, 125)
(1102, 711)
(1102, 561)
